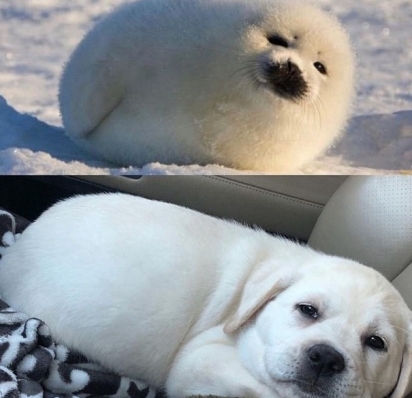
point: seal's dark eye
(308, 310)
(320, 67)
(375, 342)
(278, 41)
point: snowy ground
(37, 36)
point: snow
(37, 36)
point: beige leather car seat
(369, 219)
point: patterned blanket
(32, 365)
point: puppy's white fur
(199, 305)
(181, 82)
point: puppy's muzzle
(320, 370)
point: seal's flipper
(89, 92)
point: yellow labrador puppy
(198, 305)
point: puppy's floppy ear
(266, 281)
(404, 385)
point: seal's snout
(286, 79)
(292, 68)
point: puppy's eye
(320, 67)
(278, 41)
(375, 342)
(308, 310)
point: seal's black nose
(292, 68)
(283, 70)
(286, 79)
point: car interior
(365, 218)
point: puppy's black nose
(325, 361)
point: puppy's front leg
(209, 365)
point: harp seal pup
(257, 85)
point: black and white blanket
(32, 365)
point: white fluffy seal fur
(263, 84)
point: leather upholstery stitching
(265, 192)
